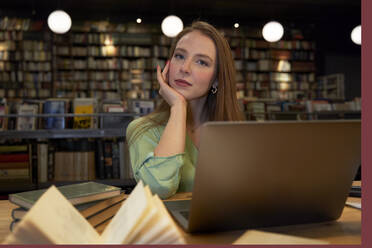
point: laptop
(260, 174)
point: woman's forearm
(172, 141)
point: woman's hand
(170, 95)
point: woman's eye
(178, 56)
(202, 62)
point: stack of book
(141, 219)
(96, 202)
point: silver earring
(214, 89)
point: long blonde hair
(222, 106)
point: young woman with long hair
(197, 85)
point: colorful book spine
(54, 107)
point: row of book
(36, 66)
(10, 55)
(282, 44)
(114, 38)
(19, 76)
(65, 161)
(7, 23)
(275, 65)
(105, 38)
(277, 85)
(108, 95)
(15, 162)
(108, 64)
(101, 85)
(83, 160)
(306, 106)
(275, 94)
(76, 106)
(107, 50)
(34, 45)
(17, 56)
(9, 92)
(11, 35)
(278, 76)
(102, 76)
(250, 53)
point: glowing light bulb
(59, 21)
(171, 25)
(272, 31)
(356, 35)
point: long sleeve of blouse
(162, 174)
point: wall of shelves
(121, 64)
(283, 70)
(100, 151)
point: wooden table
(346, 230)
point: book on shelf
(317, 105)
(42, 162)
(115, 121)
(73, 160)
(74, 165)
(55, 106)
(15, 162)
(85, 106)
(3, 111)
(142, 106)
(100, 159)
(27, 123)
(141, 219)
(75, 193)
(107, 154)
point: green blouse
(164, 175)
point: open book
(141, 219)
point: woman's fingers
(165, 72)
(160, 76)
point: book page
(54, 220)
(148, 219)
(128, 216)
(161, 229)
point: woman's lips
(182, 83)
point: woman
(197, 85)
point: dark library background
(327, 22)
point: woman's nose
(186, 66)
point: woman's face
(193, 65)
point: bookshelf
(281, 71)
(118, 61)
(62, 156)
(106, 65)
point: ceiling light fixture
(272, 31)
(171, 25)
(59, 21)
(356, 35)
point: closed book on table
(75, 193)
